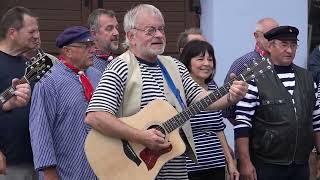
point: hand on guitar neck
(22, 96)
(18, 95)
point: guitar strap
(171, 85)
(190, 151)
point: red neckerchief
(88, 89)
(262, 52)
(103, 55)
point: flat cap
(288, 33)
(73, 34)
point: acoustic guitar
(41, 63)
(117, 159)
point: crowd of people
(43, 127)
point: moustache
(115, 38)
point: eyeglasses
(151, 31)
(82, 45)
(286, 45)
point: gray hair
(93, 19)
(130, 18)
(265, 24)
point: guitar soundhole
(159, 128)
(150, 157)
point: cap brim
(87, 39)
(288, 39)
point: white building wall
(229, 25)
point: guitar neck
(178, 120)
(9, 92)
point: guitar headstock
(41, 63)
(257, 68)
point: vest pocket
(272, 108)
(267, 141)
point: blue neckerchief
(171, 85)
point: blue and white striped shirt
(109, 94)
(245, 108)
(100, 63)
(208, 147)
(57, 127)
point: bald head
(266, 24)
(263, 26)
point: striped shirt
(57, 127)
(245, 108)
(100, 63)
(108, 97)
(208, 147)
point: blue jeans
(282, 172)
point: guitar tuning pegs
(254, 62)
(268, 67)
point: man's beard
(113, 46)
(150, 51)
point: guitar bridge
(129, 152)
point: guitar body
(107, 157)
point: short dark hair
(183, 37)
(195, 48)
(93, 19)
(13, 18)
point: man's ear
(130, 36)
(66, 51)
(93, 32)
(256, 35)
(11, 32)
(269, 45)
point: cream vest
(131, 100)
